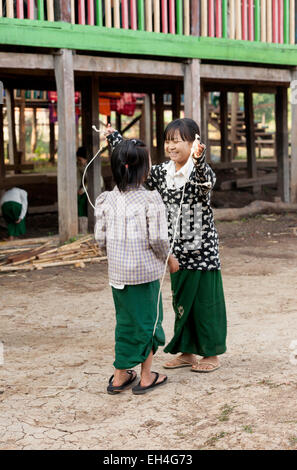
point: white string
(85, 170)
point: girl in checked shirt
(131, 223)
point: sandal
(114, 390)
(177, 363)
(139, 390)
(215, 366)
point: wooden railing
(271, 21)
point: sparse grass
(212, 440)
(225, 413)
(248, 429)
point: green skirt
(11, 212)
(82, 205)
(136, 314)
(200, 314)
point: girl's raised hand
(197, 149)
(109, 130)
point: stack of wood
(39, 253)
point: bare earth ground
(57, 327)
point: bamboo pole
(292, 21)
(257, 34)
(219, 18)
(179, 17)
(156, 16)
(148, 15)
(91, 16)
(116, 13)
(72, 5)
(211, 19)
(99, 16)
(50, 10)
(232, 19)
(108, 14)
(133, 15)
(280, 21)
(1, 9)
(186, 17)
(286, 21)
(238, 28)
(204, 15)
(140, 15)
(225, 19)
(263, 21)
(9, 9)
(269, 20)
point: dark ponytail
(130, 163)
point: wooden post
(192, 90)
(250, 133)
(159, 106)
(22, 127)
(294, 136)
(67, 185)
(204, 122)
(91, 140)
(146, 131)
(234, 109)
(224, 125)
(34, 130)
(282, 143)
(2, 163)
(11, 125)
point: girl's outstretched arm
(204, 173)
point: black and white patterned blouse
(196, 240)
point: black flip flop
(113, 390)
(139, 390)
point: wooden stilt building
(155, 47)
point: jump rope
(196, 141)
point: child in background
(131, 223)
(198, 297)
(14, 205)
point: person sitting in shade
(14, 205)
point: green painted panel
(94, 38)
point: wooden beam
(11, 125)
(224, 125)
(159, 107)
(204, 121)
(245, 74)
(250, 133)
(146, 131)
(91, 140)
(22, 127)
(192, 90)
(294, 137)
(281, 118)
(67, 185)
(234, 109)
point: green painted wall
(96, 38)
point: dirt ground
(57, 328)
